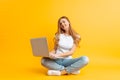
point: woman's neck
(66, 33)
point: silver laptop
(39, 47)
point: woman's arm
(52, 51)
(67, 53)
(52, 54)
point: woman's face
(64, 24)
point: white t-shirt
(65, 44)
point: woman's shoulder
(57, 36)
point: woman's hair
(76, 37)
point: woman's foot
(58, 73)
(63, 72)
(76, 72)
(54, 73)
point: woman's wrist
(58, 55)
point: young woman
(60, 60)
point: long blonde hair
(76, 37)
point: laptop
(39, 47)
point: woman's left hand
(58, 56)
(54, 56)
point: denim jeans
(70, 65)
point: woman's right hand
(52, 56)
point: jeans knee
(85, 59)
(43, 61)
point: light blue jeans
(70, 65)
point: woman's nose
(63, 24)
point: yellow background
(97, 21)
